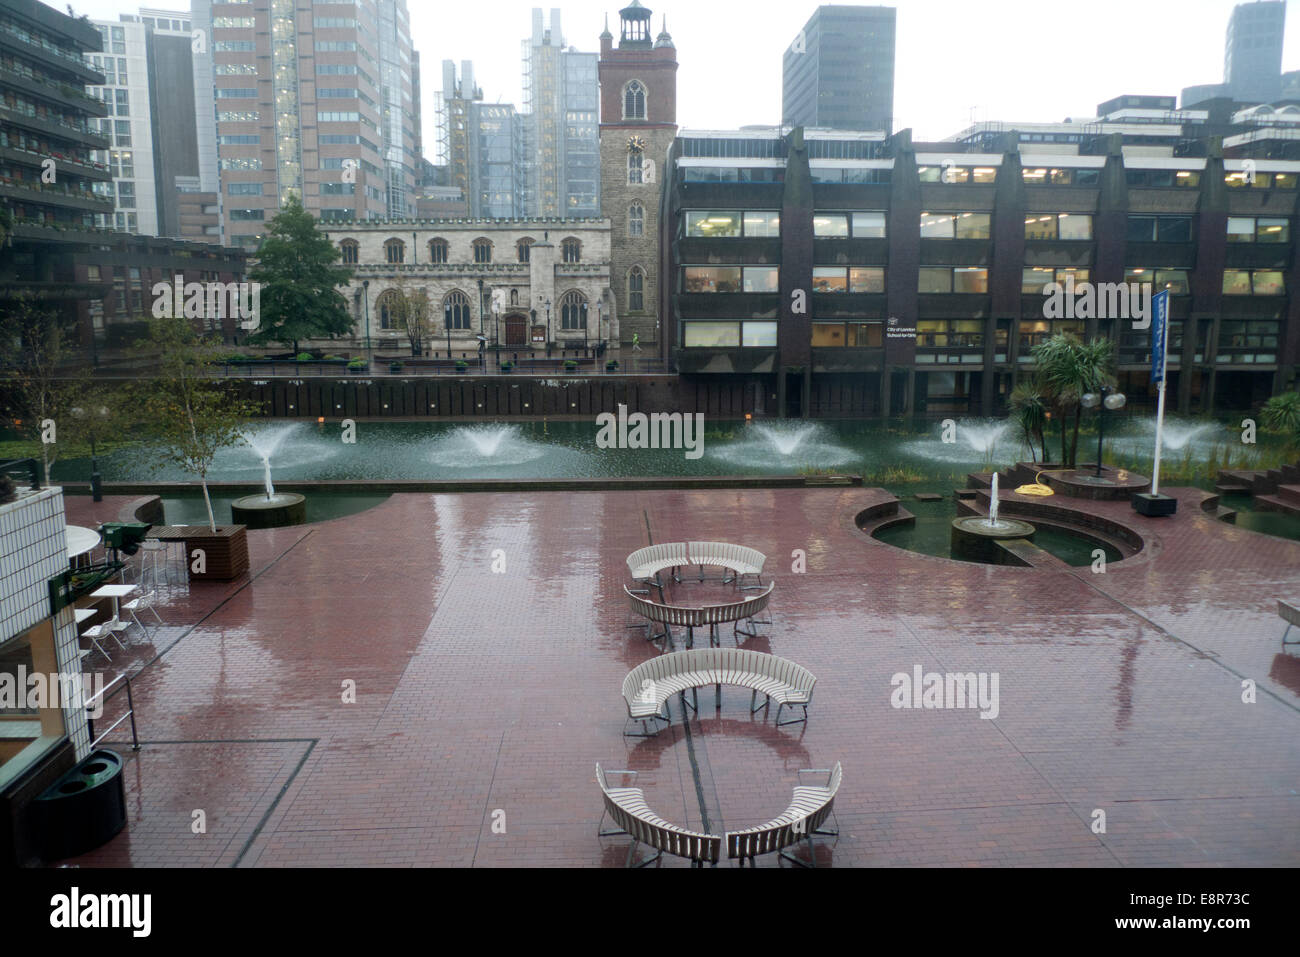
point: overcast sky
(1035, 60)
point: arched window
(514, 297)
(635, 168)
(349, 249)
(389, 305)
(635, 290)
(636, 220)
(395, 251)
(524, 248)
(455, 310)
(573, 311)
(571, 250)
(634, 101)
(482, 250)
(438, 251)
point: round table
(80, 540)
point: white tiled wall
(33, 549)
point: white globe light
(1115, 401)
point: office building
(1252, 57)
(484, 147)
(560, 97)
(157, 94)
(314, 100)
(846, 273)
(839, 71)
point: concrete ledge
(595, 484)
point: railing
(32, 466)
(130, 713)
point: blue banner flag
(1159, 333)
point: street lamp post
(446, 323)
(365, 295)
(583, 309)
(1107, 398)
(547, 304)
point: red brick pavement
(485, 696)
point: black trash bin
(84, 809)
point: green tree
(192, 415)
(38, 392)
(299, 282)
(1281, 413)
(1067, 368)
(1029, 405)
(412, 313)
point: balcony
(69, 165)
(50, 126)
(51, 90)
(54, 194)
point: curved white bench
(649, 685)
(692, 617)
(646, 564)
(809, 808)
(627, 808)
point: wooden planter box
(225, 550)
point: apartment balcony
(54, 194)
(81, 134)
(63, 164)
(52, 91)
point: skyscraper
(839, 71)
(312, 100)
(560, 97)
(158, 95)
(1252, 55)
(483, 146)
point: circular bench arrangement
(645, 564)
(692, 617)
(809, 809)
(649, 685)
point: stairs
(1286, 500)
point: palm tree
(1281, 413)
(1068, 368)
(1029, 403)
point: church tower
(638, 121)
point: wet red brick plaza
(487, 697)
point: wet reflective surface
(487, 636)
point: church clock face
(636, 144)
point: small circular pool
(931, 533)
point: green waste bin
(84, 809)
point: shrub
(357, 364)
(570, 364)
(305, 357)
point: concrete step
(1272, 503)
(1289, 493)
(1231, 488)
(1225, 514)
(1290, 474)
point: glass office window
(1267, 282)
(758, 334)
(1074, 226)
(830, 225)
(1236, 282)
(712, 278)
(1272, 230)
(934, 279)
(970, 279)
(696, 335)
(867, 279)
(761, 279)
(762, 223)
(869, 225)
(712, 223)
(827, 334)
(937, 226)
(972, 225)
(830, 279)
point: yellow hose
(1038, 487)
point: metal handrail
(130, 712)
(33, 469)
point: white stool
(143, 603)
(154, 554)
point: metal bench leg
(613, 833)
(767, 700)
(1287, 632)
(792, 720)
(717, 697)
